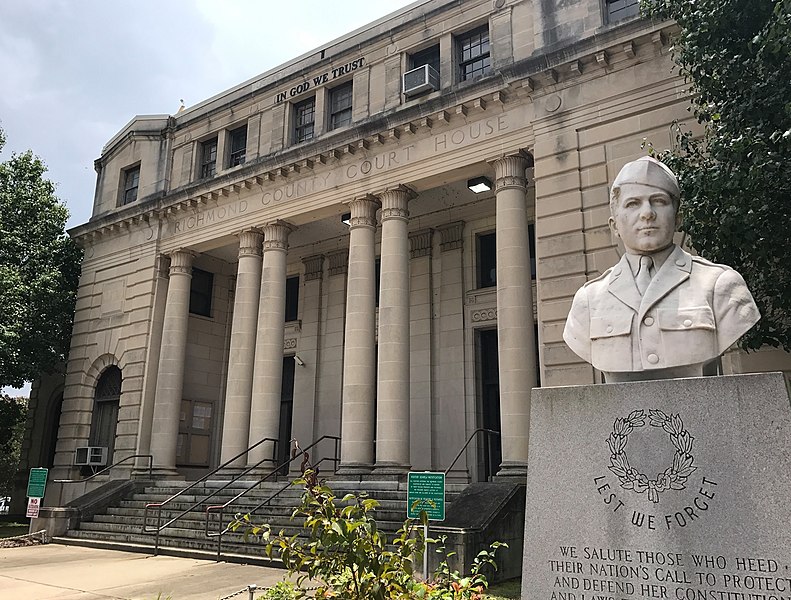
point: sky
(74, 72)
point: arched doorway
(105, 410)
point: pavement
(55, 571)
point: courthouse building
(378, 240)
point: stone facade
(564, 99)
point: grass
(12, 529)
(507, 590)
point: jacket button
(609, 328)
(680, 262)
(687, 323)
(653, 358)
(648, 321)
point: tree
(736, 56)
(12, 426)
(39, 271)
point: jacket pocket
(680, 319)
(603, 327)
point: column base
(166, 473)
(353, 469)
(511, 469)
(385, 468)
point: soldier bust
(660, 312)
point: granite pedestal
(677, 489)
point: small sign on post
(426, 492)
(37, 482)
(33, 504)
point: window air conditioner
(422, 79)
(95, 456)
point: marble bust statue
(659, 312)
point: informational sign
(33, 504)
(37, 482)
(426, 491)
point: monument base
(674, 489)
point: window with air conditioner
(423, 74)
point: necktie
(643, 277)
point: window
(200, 292)
(341, 106)
(292, 298)
(474, 59)
(208, 164)
(304, 118)
(237, 139)
(487, 257)
(487, 260)
(131, 182)
(429, 56)
(104, 421)
(618, 10)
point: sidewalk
(61, 572)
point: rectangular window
(428, 56)
(618, 10)
(304, 118)
(487, 257)
(131, 182)
(200, 292)
(474, 59)
(341, 106)
(292, 298)
(208, 164)
(237, 140)
(487, 260)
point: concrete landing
(74, 573)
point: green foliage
(13, 412)
(736, 56)
(351, 559)
(39, 270)
(282, 590)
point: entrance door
(489, 386)
(193, 448)
(286, 413)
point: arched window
(105, 410)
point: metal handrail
(220, 508)
(123, 460)
(489, 433)
(158, 505)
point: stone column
(359, 353)
(515, 325)
(268, 369)
(239, 388)
(392, 398)
(170, 377)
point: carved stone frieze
(451, 236)
(420, 243)
(314, 266)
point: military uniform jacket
(691, 312)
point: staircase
(121, 527)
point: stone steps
(121, 526)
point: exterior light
(479, 184)
(346, 218)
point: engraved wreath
(674, 477)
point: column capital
(181, 261)
(276, 235)
(314, 267)
(420, 243)
(510, 171)
(363, 211)
(339, 262)
(395, 201)
(452, 236)
(250, 242)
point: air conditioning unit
(422, 79)
(94, 456)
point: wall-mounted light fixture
(346, 218)
(299, 361)
(479, 184)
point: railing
(85, 479)
(299, 453)
(488, 432)
(159, 505)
